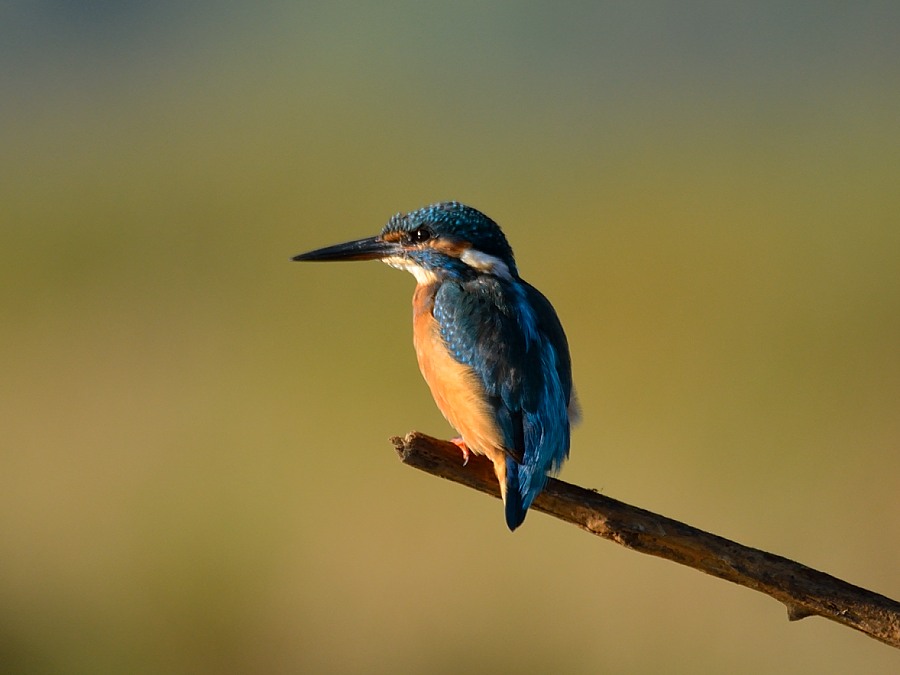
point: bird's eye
(419, 235)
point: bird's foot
(459, 443)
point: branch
(804, 591)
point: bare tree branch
(804, 591)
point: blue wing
(509, 334)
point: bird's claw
(459, 443)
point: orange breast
(455, 387)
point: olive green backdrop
(195, 475)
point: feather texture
(507, 333)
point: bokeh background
(195, 473)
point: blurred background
(195, 472)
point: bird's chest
(456, 389)
(438, 368)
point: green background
(195, 475)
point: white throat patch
(422, 275)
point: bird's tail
(523, 484)
(516, 508)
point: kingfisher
(489, 344)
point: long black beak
(371, 248)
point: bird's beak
(371, 248)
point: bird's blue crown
(452, 222)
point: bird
(490, 345)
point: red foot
(458, 442)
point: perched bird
(489, 345)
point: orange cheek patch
(454, 249)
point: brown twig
(804, 591)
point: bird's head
(443, 240)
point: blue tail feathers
(523, 484)
(515, 507)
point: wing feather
(510, 336)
